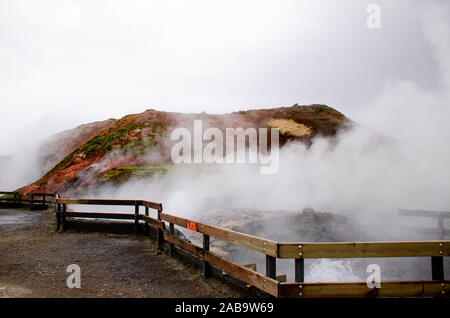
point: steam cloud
(401, 161)
(398, 158)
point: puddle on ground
(17, 219)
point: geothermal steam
(400, 160)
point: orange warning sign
(192, 226)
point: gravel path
(34, 259)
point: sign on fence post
(193, 226)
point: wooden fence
(298, 252)
(440, 216)
(33, 201)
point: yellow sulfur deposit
(290, 127)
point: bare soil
(34, 259)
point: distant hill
(138, 145)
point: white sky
(64, 63)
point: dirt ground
(34, 259)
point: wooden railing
(440, 216)
(31, 200)
(436, 250)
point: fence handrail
(35, 193)
(153, 205)
(43, 193)
(424, 213)
(252, 242)
(364, 249)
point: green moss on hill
(120, 138)
(102, 144)
(123, 174)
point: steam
(398, 158)
(21, 166)
(400, 161)
(326, 270)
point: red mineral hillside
(138, 145)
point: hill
(138, 145)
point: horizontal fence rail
(255, 243)
(153, 205)
(440, 216)
(360, 289)
(424, 213)
(364, 250)
(298, 252)
(254, 278)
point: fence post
(63, 217)
(437, 267)
(271, 266)
(299, 270)
(147, 228)
(437, 262)
(31, 201)
(171, 232)
(58, 213)
(160, 235)
(441, 226)
(136, 217)
(206, 266)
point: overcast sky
(65, 63)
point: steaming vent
(309, 225)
